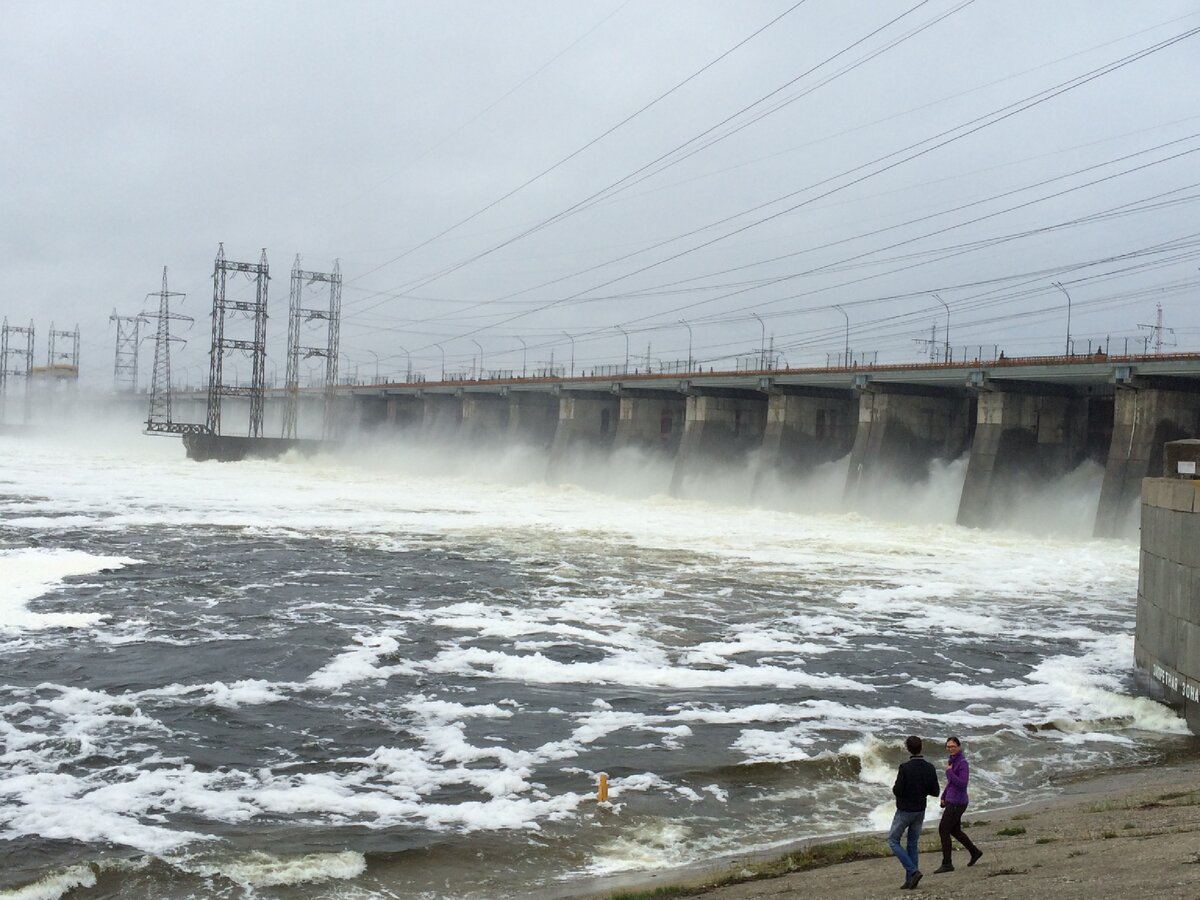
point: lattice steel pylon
(158, 418)
(332, 315)
(125, 362)
(62, 363)
(10, 369)
(68, 356)
(257, 348)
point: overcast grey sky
(699, 161)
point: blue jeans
(910, 822)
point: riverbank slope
(1132, 834)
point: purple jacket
(956, 780)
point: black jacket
(916, 780)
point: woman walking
(954, 804)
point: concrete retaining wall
(1167, 638)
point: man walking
(916, 782)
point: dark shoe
(913, 879)
(975, 857)
(907, 883)
(944, 867)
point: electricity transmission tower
(158, 419)
(331, 315)
(1156, 330)
(255, 309)
(125, 363)
(65, 357)
(10, 368)
(930, 343)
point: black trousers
(951, 827)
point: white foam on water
(1073, 694)
(361, 663)
(247, 692)
(258, 869)
(64, 807)
(657, 844)
(27, 574)
(54, 885)
(630, 669)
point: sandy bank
(1135, 833)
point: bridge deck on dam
(1078, 371)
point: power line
(586, 146)
(616, 185)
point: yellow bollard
(602, 792)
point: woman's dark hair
(913, 743)
(957, 742)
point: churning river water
(399, 674)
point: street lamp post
(443, 349)
(524, 355)
(572, 340)
(408, 373)
(626, 333)
(946, 350)
(376, 355)
(846, 361)
(689, 328)
(1068, 296)
(762, 346)
(479, 377)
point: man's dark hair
(953, 740)
(913, 743)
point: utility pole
(16, 369)
(846, 361)
(331, 314)
(1156, 330)
(125, 360)
(946, 350)
(408, 370)
(930, 343)
(158, 418)
(68, 357)
(689, 331)
(1068, 296)
(762, 344)
(259, 273)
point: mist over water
(397, 670)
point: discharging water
(398, 675)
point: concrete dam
(1024, 421)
